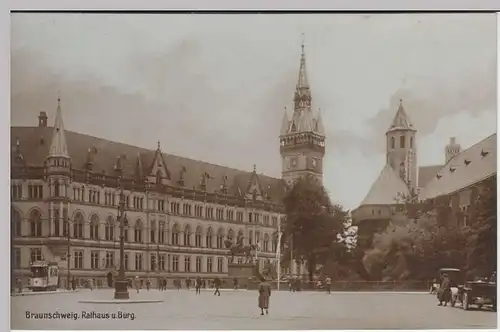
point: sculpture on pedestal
(248, 251)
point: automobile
(480, 293)
(456, 283)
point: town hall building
(66, 187)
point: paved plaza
(183, 310)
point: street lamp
(121, 290)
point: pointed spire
(302, 82)
(319, 124)
(302, 98)
(401, 121)
(285, 123)
(58, 147)
(158, 145)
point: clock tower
(302, 137)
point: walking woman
(264, 295)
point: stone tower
(451, 150)
(58, 170)
(302, 137)
(402, 147)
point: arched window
(138, 232)
(230, 235)
(393, 143)
(266, 242)
(35, 223)
(94, 227)
(411, 142)
(109, 231)
(78, 226)
(187, 235)
(152, 231)
(275, 243)
(161, 233)
(175, 234)
(220, 238)
(402, 141)
(15, 218)
(197, 237)
(208, 238)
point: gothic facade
(66, 187)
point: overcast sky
(213, 87)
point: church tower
(402, 147)
(302, 137)
(58, 171)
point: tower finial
(58, 97)
(400, 101)
(254, 167)
(158, 145)
(303, 42)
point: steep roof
(34, 143)
(471, 166)
(401, 120)
(58, 146)
(386, 188)
(427, 173)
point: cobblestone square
(182, 310)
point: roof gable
(254, 190)
(158, 173)
(471, 166)
(386, 188)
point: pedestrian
(290, 286)
(137, 284)
(178, 284)
(90, 284)
(73, 283)
(148, 284)
(264, 296)
(328, 283)
(235, 283)
(19, 284)
(217, 284)
(198, 285)
(444, 292)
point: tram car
(44, 276)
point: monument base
(244, 273)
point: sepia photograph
(253, 171)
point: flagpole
(278, 254)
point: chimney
(452, 149)
(42, 120)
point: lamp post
(121, 290)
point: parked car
(480, 293)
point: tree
(312, 223)
(419, 240)
(482, 232)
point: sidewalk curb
(43, 293)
